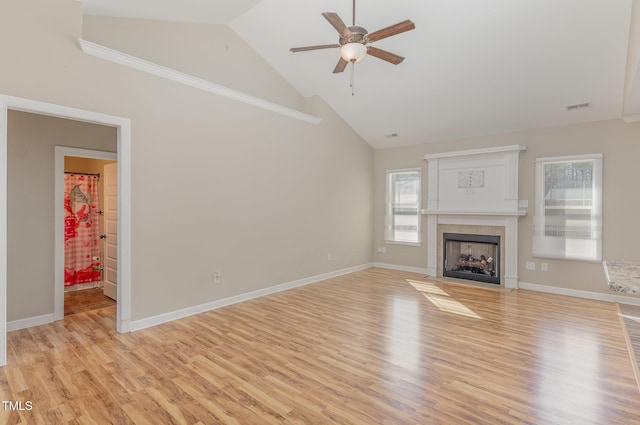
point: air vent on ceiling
(577, 106)
(391, 135)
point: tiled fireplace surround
(474, 192)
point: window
(568, 221)
(402, 216)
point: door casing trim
(123, 127)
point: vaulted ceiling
(472, 67)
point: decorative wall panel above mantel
(479, 181)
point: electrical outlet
(531, 265)
(544, 267)
(329, 257)
(216, 277)
(379, 250)
(384, 249)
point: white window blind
(568, 220)
(402, 216)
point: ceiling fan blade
(384, 55)
(342, 64)
(318, 47)
(337, 23)
(398, 28)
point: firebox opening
(474, 257)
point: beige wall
(74, 164)
(30, 215)
(618, 142)
(216, 185)
(212, 52)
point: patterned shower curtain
(81, 232)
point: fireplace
(473, 257)
(475, 192)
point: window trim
(539, 250)
(387, 208)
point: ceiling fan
(352, 41)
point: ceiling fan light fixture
(353, 52)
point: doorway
(89, 193)
(123, 126)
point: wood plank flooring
(631, 318)
(86, 300)
(372, 347)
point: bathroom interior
(85, 236)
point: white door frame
(123, 126)
(60, 153)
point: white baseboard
(82, 286)
(580, 294)
(190, 311)
(15, 325)
(621, 299)
(401, 268)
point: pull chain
(352, 83)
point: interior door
(111, 230)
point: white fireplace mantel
(476, 187)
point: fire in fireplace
(474, 257)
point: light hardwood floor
(373, 347)
(85, 300)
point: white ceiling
(472, 67)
